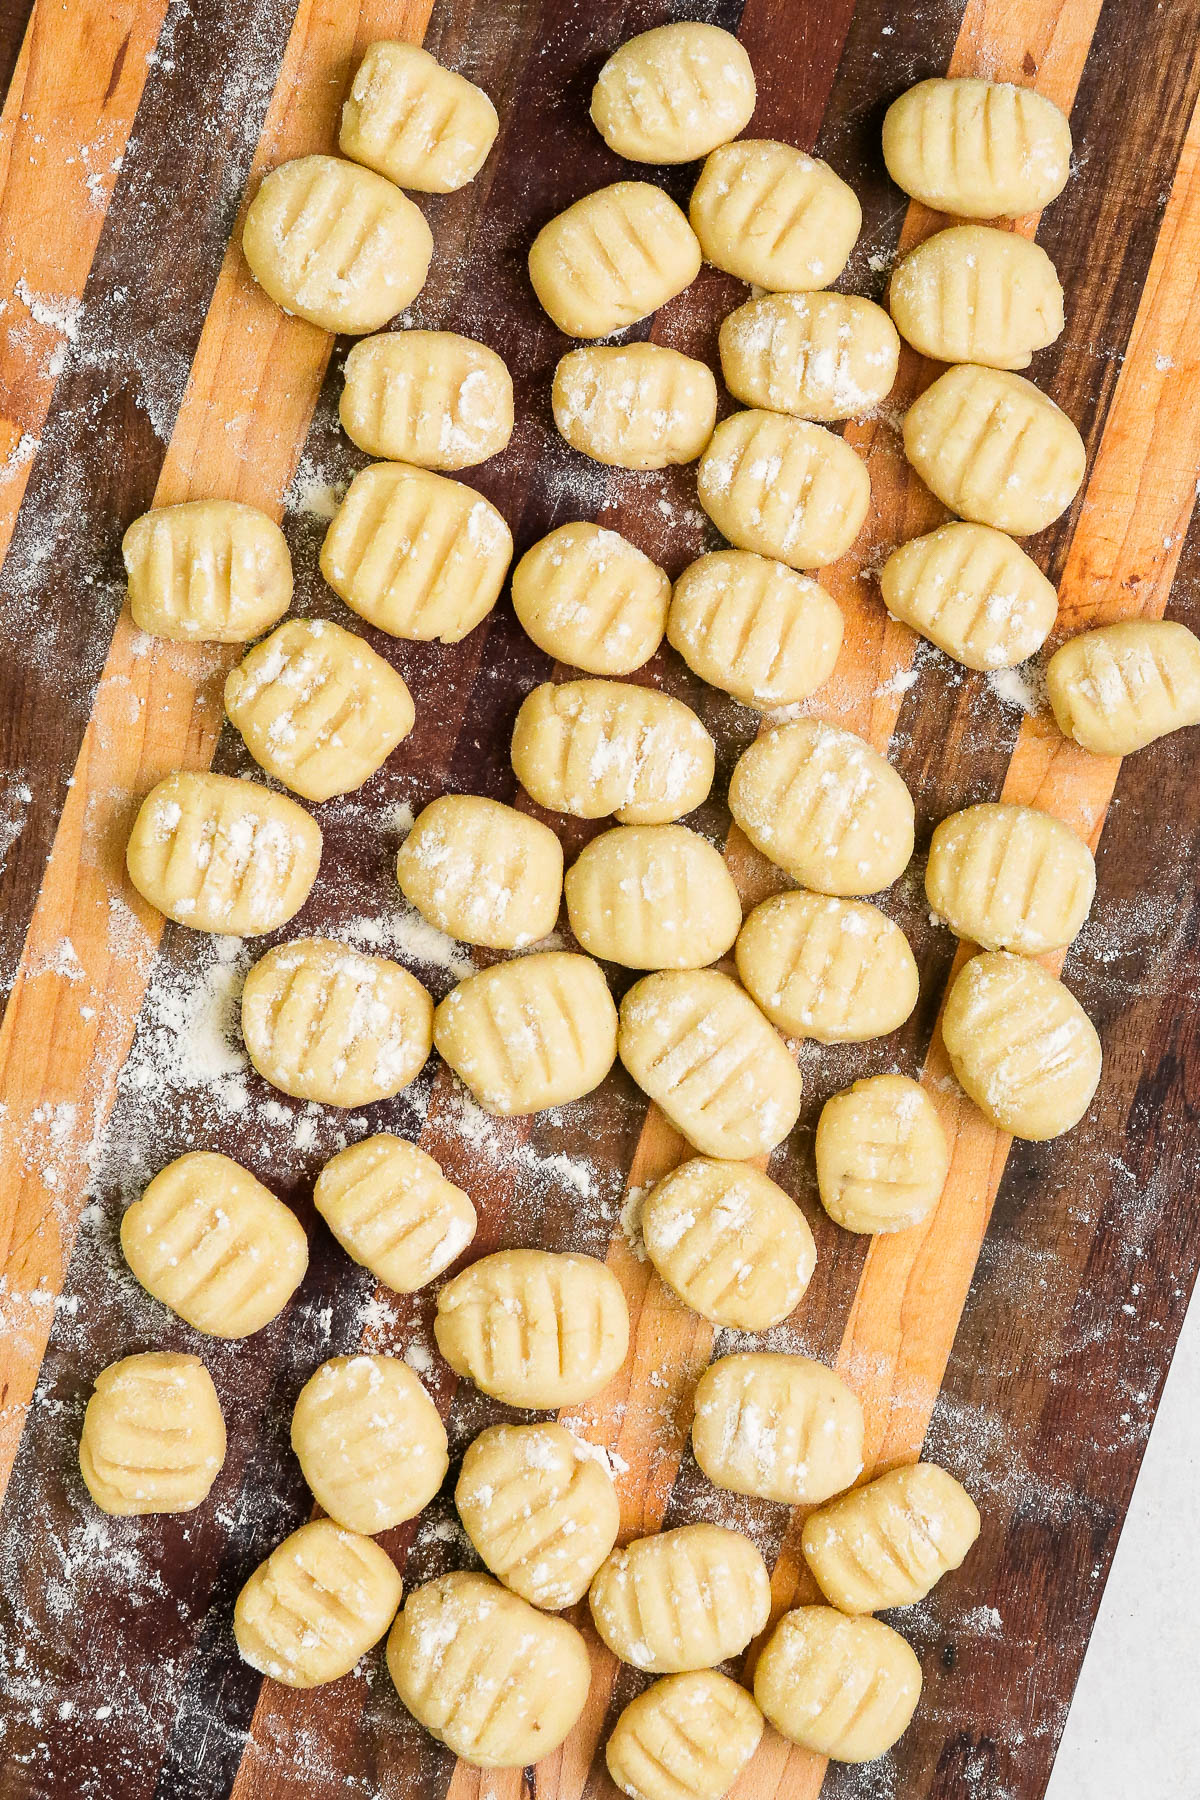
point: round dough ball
(674, 93)
(390, 1207)
(766, 634)
(979, 149)
(153, 1436)
(784, 488)
(842, 1688)
(683, 1599)
(482, 872)
(587, 596)
(370, 1442)
(688, 1735)
(316, 1605)
(653, 897)
(782, 1427)
(427, 397)
(635, 406)
(882, 1156)
(773, 216)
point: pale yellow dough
(973, 592)
(1010, 878)
(980, 149)
(768, 213)
(684, 1599)
(531, 1033)
(207, 569)
(766, 634)
(784, 487)
(390, 1207)
(973, 294)
(882, 1156)
(674, 93)
(316, 1605)
(597, 747)
(653, 897)
(820, 356)
(888, 1543)
(636, 406)
(687, 1737)
(843, 1688)
(587, 596)
(612, 258)
(781, 1427)
(835, 970)
(153, 1437)
(482, 872)
(427, 397)
(369, 1441)
(1118, 688)
(418, 123)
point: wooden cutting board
(1021, 1336)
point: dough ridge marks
(831, 969)
(687, 1737)
(782, 1427)
(433, 398)
(783, 487)
(636, 406)
(888, 1543)
(820, 356)
(673, 93)
(320, 1601)
(207, 569)
(612, 258)
(684, 1599)
(845, 1688)
(653, 897)
(587, 596)
(391, 1209)
(1118, 688)
(153, 1435)
(768, 213)
(752, 626)
(978, 149)
(597, 747)
(972, 294)
(420, 124)
(973, 592)
(1010, 877)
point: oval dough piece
(531, 1033)
(613, 258)
(756, 628)
(215, 1245)
(207, 569)
(882, 1156)
(335, 244)
(688, 1737)
(328, 1023)
(973, 294)
(636, 406)
(482, 872)
(980, 149)
(683, 1599)
(825, 807)
(390, 1207)
(223, 855)
(1021, 1045)
(597, 747)
(781, 1427)
(768, 213)
(784, 487)
(369, 1442)
(427, 397)
(843, 1688)
(420, 124)
(835, 970)
(888, 1543)
(318, 708)
(587, 596)
(498, 1682)
(696, 1043)
(730, 1243)
(416, 554)
(540, 1509)
(820, 356)
(533, 1328)
(1010, 878)
(1118, 688)
(153, 1437)
(673, 94)
(994, 448)
(319, 1602)
(973, 592)
(653, 897)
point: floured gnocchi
(820, 356)
(973, 294)
(674, 93)
(687, 1737)
(207, 569)
(882, 1156)
(843, 1688)
(979, 149)
(587, 596)
(534, 1328)
(214, 1245)
(613, 258)
(782, 1427)
(636, 406)
(427, 397)
(784, 487)
(888, 1543)
(153, 1437)
(482, 872)
(531, 1033)
(1118, 688)
(973, 592)
(597, 747)
(418, 123)
(390, 1207)
(369, 1441)
(336, 244)
(653, 897)
(773, 216)
(316, 1605)
(835, 970)
(683, 1599)
(766, 634)
(1010, 878)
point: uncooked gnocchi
(888, 1543)
(835, 970)
(1118, 688)
(534, 1328)
(973, 592)
(674, 93)
(687, 1737)
(153, 1437)
(587, 596)
(418, 123)
(482, 872)
(222, 855)
(336, 244)
(597, 747)
(207, 569)
(369, 1441)
(979, 149)
(684, 1599)
(882, 1156)
(782, 1427)
(390, 1207)
(843, 1688)
(214, 1245)
(653, 897)
(820, 356)
(773, 216)
(766, 634)
(316, 1605)
(613, 258)
(636, 406)
(427, 397)
(1010, 878)
(696, 1043)
(973, 294)
(531, 1033)
(784, 487)
(416, 554)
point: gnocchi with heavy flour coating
(820, 356)
(888, 1543)
(612, 258)
(882, 1156)
(369, 1441)
(973, 592)
(418, 123)
(427, 397)
(674, 93)
(771, 215)
(207, 569)
(835, 970)
(531, 1033)
(684, 1599)
(979, 149)
(319, 1602)
(1118, 688)
(687, 1737)
(653, 897)
(587, 596)
(976, 295)
(482, 871)
(637, 406)
(390, 1207)
(153, 1437)
(597, 747)
(782, 1427)
(766, 634)
(843, 1688)
(784, 487)
(1010, 878)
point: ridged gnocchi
(973, 294)
(653, 897)
(835, 970)
(680, 1600)
(1010, 878)
(843, 1688)
(482, 872)
(420, 124)
(531, 1033)
(211, 570)
(589, 597)
(153, 1437)
(882, 1156)
(784, 487)
(674, 93)
(612, 258)
(316, 1605)
(369, 1442)
(771, 215)
(1118, 688)
(888, 1543)
(820, 356)
(782, 1427)
(687, 1737)
(635, 406)
(750, 625)
(428, 397)
(979, 149)
(973, 592)
(597, 747)
(390, 1207)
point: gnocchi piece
(534, 1328)
(318, 708)
(540, 1509)
(613, 258)
(335, 244)
(531, 1033)
(782, 1427)
(784, 487)
(369, 1442)
(683, 1599)
(835, 970)
(420, 124)
(888, 1543)
(1118, 688)
(825, 807)
(973, 592)
(687, 1737)
(994, 448)
(674, 93)
(587, 596)
(773, 216)
(207, 569)
(653, 897)
(416, 554)
(979, 149)
(1021, 1045)
(820, 356)
(153, 1437)
(766, 634)
(882, 1156)
(636, 406)
(222, 855)
(973, 294)
(1010, 878)
(696, 1043)
(214, 1245)
(843, 1688)
(597, 747)
(316, 1605)
(482, 872)
(730, 1243)
(498, 1682)
(427, 397)
(390, 1207)
(328, 1023)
